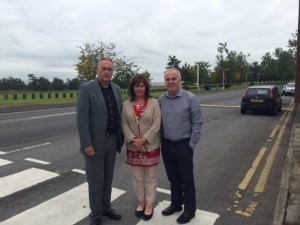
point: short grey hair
(171, 69)
(105, 58)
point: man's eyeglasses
(171, 79)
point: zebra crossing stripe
(24, 179)
(37, 161)
(78, 171)
(67, 208)
(201, 217)
(4, 162)
(164, 191)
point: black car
(261, 98)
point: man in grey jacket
(99, 125)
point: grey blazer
(92, 116)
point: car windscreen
(258, 93)
(290, 85)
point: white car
(288, 89)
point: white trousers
(145, 183)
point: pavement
(287, 211)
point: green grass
(15, 99)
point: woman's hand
(138, 143)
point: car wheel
(243, 111)
(274, 112)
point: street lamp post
(223, 77)
(197, 77)
(247, 79)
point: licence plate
(257, 100)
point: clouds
(40, 37)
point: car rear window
(290, 85)
(258, 92)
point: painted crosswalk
(201, 217)
(67, 208)
(4, 162)
(24, 179)
(72, 206)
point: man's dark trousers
(99, 171)
(178, 160)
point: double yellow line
(260, 185)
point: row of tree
(38, 84)
(231, 65)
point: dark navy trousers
(178, 160)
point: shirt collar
(178, 94)
(103, 88)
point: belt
(177, 141)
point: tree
(188, 74)
(268, 68)
(11, 83)
(147, 75)
(124, 72)
(58, 84)
(204, 71)
(292, 45)
(33, 83)
(173, 62)
(44, 84)
(90, 54)
(73, 84)
(235, 62)
(286, 66)
(255, 71)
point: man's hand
(89, 151)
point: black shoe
(185, 217)
(96, 221)
(139, 213)
(113, 215)
(147, 217)
(171, 209)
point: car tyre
(274, 112)
(243, 111)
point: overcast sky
(40, 37)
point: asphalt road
(238, 165)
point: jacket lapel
(99, 94)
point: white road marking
(52, 115)
(78, 171)
(37, 161)
(4, 162)
(67, 208)
(22, 180)
(36, 117)
(164, 191)
(26, 148)
(201, 217)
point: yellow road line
(260, 186)
(244, 184)
(274, 131)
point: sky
(42, 37)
